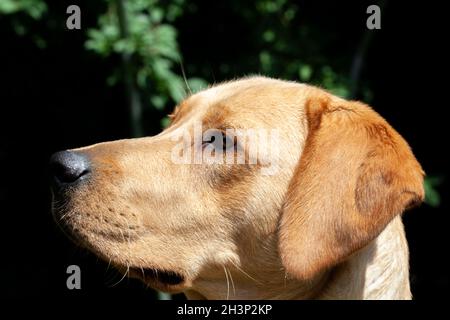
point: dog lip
(165, 277)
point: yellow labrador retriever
(259, 189)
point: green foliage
(432, 196)
(23, 13)
(287, 47)
(334, 82)
(33, 8)
(152, 43)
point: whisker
(62, 228)
(110, 276)
(245, 273)
(109, 264)
(232, 282)
(123, 277)
(184, 76)
(228, 283)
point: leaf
(165, 42)
(34, 8)
(124, 46)
(161, 68)
(196, 84)
(165, 122)
(156, 15)
(269, 35)
(265, 60)
(158, 102)
(8, 6)
(176, 89)
(432, 196)
(305, 72)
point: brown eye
(226, 142)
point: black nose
(68, 167)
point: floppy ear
(356, 173)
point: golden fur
(326, 226)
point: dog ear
(355, 174)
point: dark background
(57, 97)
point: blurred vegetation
(142, 33)
(23, 14)
(32, 8)
(432, 197)
(147, 40)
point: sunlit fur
(326, 226)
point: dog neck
(235, 287)
(378, 271)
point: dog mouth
(166, 278)
(159, 278)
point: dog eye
(226, 143)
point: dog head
(253, 179)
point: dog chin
(100, 244)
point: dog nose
(68, 167)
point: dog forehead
(255, 100)
(250, 87)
